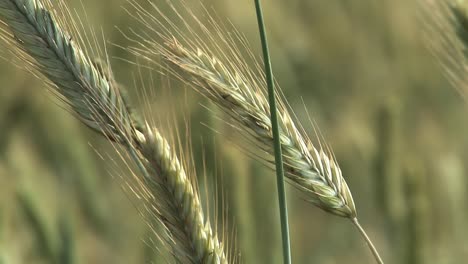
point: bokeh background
(363, 70)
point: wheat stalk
(310, 169)
(96, 99)
(238, 89)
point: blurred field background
(396, 126)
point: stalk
(368, 241)
(276, 138)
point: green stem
(277, 144)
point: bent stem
(368, 241)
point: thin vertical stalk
(276, 139)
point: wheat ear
(97, 101)
(310, 169)
(75, 76)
